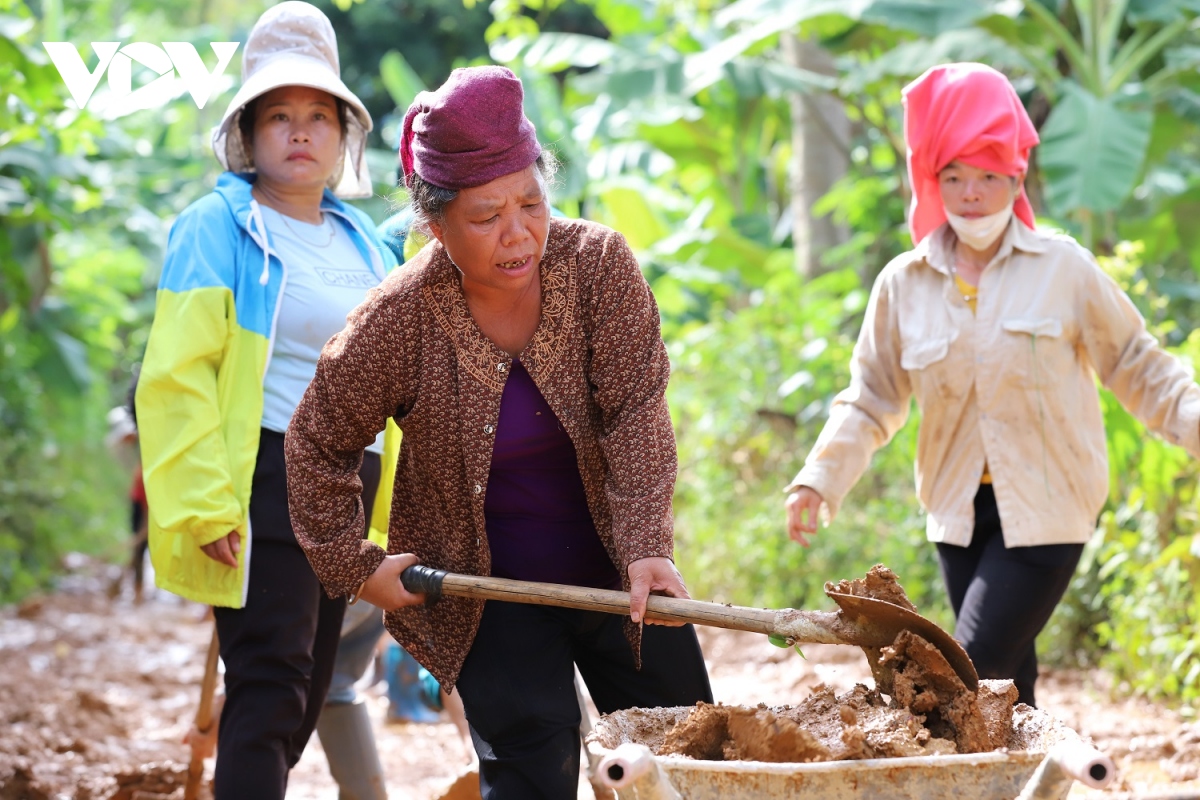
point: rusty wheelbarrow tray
(1056, 757)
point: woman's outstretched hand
(802, 507)
(656, 575)
(384, 589)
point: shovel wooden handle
(861, 621)
(434, 583)
(204, 720)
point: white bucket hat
(293, 44)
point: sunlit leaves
(553, 52)
(752, 77)
(926, 17)
(1092, 150)
(1160, 10)
(629, 209)
(908, 60)
(400, 79)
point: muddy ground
(96, 694)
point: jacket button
(478, 489)
(501, 366)
(489, 429)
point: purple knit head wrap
(470, 131)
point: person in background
(414, 695)
(344, 726)
(139, 523)
(258, 275)
(122, 441)
(522, 359)
(1000, 331)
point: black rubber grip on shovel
(424, 580)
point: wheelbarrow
(633, 772)
(1054, 757)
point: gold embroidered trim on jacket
(477, 353)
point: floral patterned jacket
(412, 352)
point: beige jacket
(1012, 386)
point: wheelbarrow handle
(1068, 761)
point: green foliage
(402, 82)
(1150, 646)
(1092, 150)
(40, 176)
(1133, 605)
(77, 237)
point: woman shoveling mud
(522, 359)
(999, 330)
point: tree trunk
(820, 145)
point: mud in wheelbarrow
(1039, 762)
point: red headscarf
(968, 113)
(469, 132)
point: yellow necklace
(968, 292)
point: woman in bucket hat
(521, 356)
(999, 330)
(258, 275)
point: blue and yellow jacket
(200, 393)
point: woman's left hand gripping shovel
(203, 735)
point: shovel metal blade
(877, 623)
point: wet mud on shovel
(860, 621)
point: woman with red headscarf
(999, 331)
(521, 357)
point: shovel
(860, 621)
(204, 719)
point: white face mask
(982, 232)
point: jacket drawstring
(255, 220)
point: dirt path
(95, 695)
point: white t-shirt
(326, 279)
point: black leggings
(518, 690)
(1003, 597)
(279, 649)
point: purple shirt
(539, 527)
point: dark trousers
(518, 689)
(1003, 597)
(279, 649)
